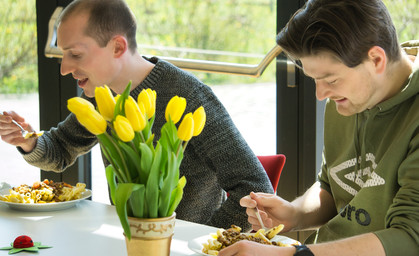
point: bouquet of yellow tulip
(143, 176)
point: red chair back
(273, 166)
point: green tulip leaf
(146, 162)
(123, 192)
(152, 188)
(135, 162)
(112, 154)
(137, 202)
(177, 195)
(110, 177)
(169, 184)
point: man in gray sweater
(97, 39)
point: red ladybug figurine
(23, 242)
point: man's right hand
(273, 210)
(12, 134)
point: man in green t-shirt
(366, 201)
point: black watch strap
(302, 250)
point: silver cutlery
(259, 218)
(24, 132)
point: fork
(259, 218)
(256, 210)
(24, 132)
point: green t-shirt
(371, 168)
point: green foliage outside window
(244, 29)
(18, 49)
(405, 17)
(236, 31)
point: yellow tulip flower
(153, 96)
(175, 108)
(145, 98)
(87, 115)
(186, 128)
(105, 102)
(135, 116)
(79, 105)
(123, 128)
(199, 118)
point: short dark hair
(107, 18)
(346, 28)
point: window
(18, 82)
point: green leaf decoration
(35, 248)
(40, 246)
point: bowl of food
(211, 244)
(44, 195)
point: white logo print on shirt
(358, 176)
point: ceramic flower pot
(150, 237)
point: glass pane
(18, 82)
(234, 31)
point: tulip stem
(125, 175)
(184, 146)
(142, 137)
(181, 146)
(110, 159)
(134, 147)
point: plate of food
(44, 196)
(211, 244)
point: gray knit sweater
(216, 161)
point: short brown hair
(107, 18)
(347, 29)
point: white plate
(196, 244)
(44, 207)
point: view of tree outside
(244, 30)
(18, 51)
(237, 31)
(405, 17)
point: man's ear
(378, 58)
(120, 45)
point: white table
(89, 228)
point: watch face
(303, 250)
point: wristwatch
(302, 250)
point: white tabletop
(89, 228)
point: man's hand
(308, 211)
(12, 134)
(273, 210)
(248, 248)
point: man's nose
(322, 90)
(66, 67)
